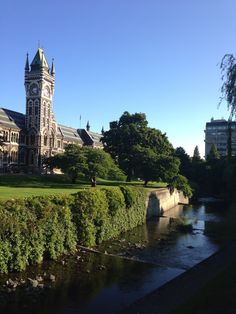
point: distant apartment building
(217, 132)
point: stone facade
(26, 139)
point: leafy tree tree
(228, 89)
(72, 162)
(100, 164)
(123, 137)
(185, 162)
(136, 147)
(213, 154)
(146, 160)
(79, 161)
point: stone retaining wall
(161, 200)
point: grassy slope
(13, 186)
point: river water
(125, 270)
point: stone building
(26, 139)
(217, 133)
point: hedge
(38, 228)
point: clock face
(34, 89)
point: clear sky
(160, 57)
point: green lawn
(12, 186)
(20, 186)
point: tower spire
(27, 63)
(88, 126)
(52, 67)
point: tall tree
(123, 138)
(228, 89)
(213, 154)
(196, 154)
(185, 162)
(136, 147)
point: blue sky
(160, 57)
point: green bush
(181, 184)
(129, 195)
(90, 209)
(115, 199)
(128, 214)
(33, 229)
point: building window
(45, 140)
(36, 110)
(58, 143)
(32, 139)
(31, 158)
(22, 139)
(30, 110)
(22, 156)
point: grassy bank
(17, 186)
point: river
(125, 270)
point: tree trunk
(128, 178)
(93, 182)
(145, 183)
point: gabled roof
(39, 60)
(12, 119)
(70, 134)
(91, 138)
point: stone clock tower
(41, 127)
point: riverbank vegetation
(38, 228)
(215, 176)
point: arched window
(36, 107)
(31, 158)
(45, 140)
(44, 109)
(32, 139)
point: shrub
(32, 229)
(90, 209)
(181, 224)
(181, 184)
(129, 195)
(115, 199)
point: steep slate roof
(12, 119)
(70, 134)
(96, 138)
(39, 60)
(90, 138)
